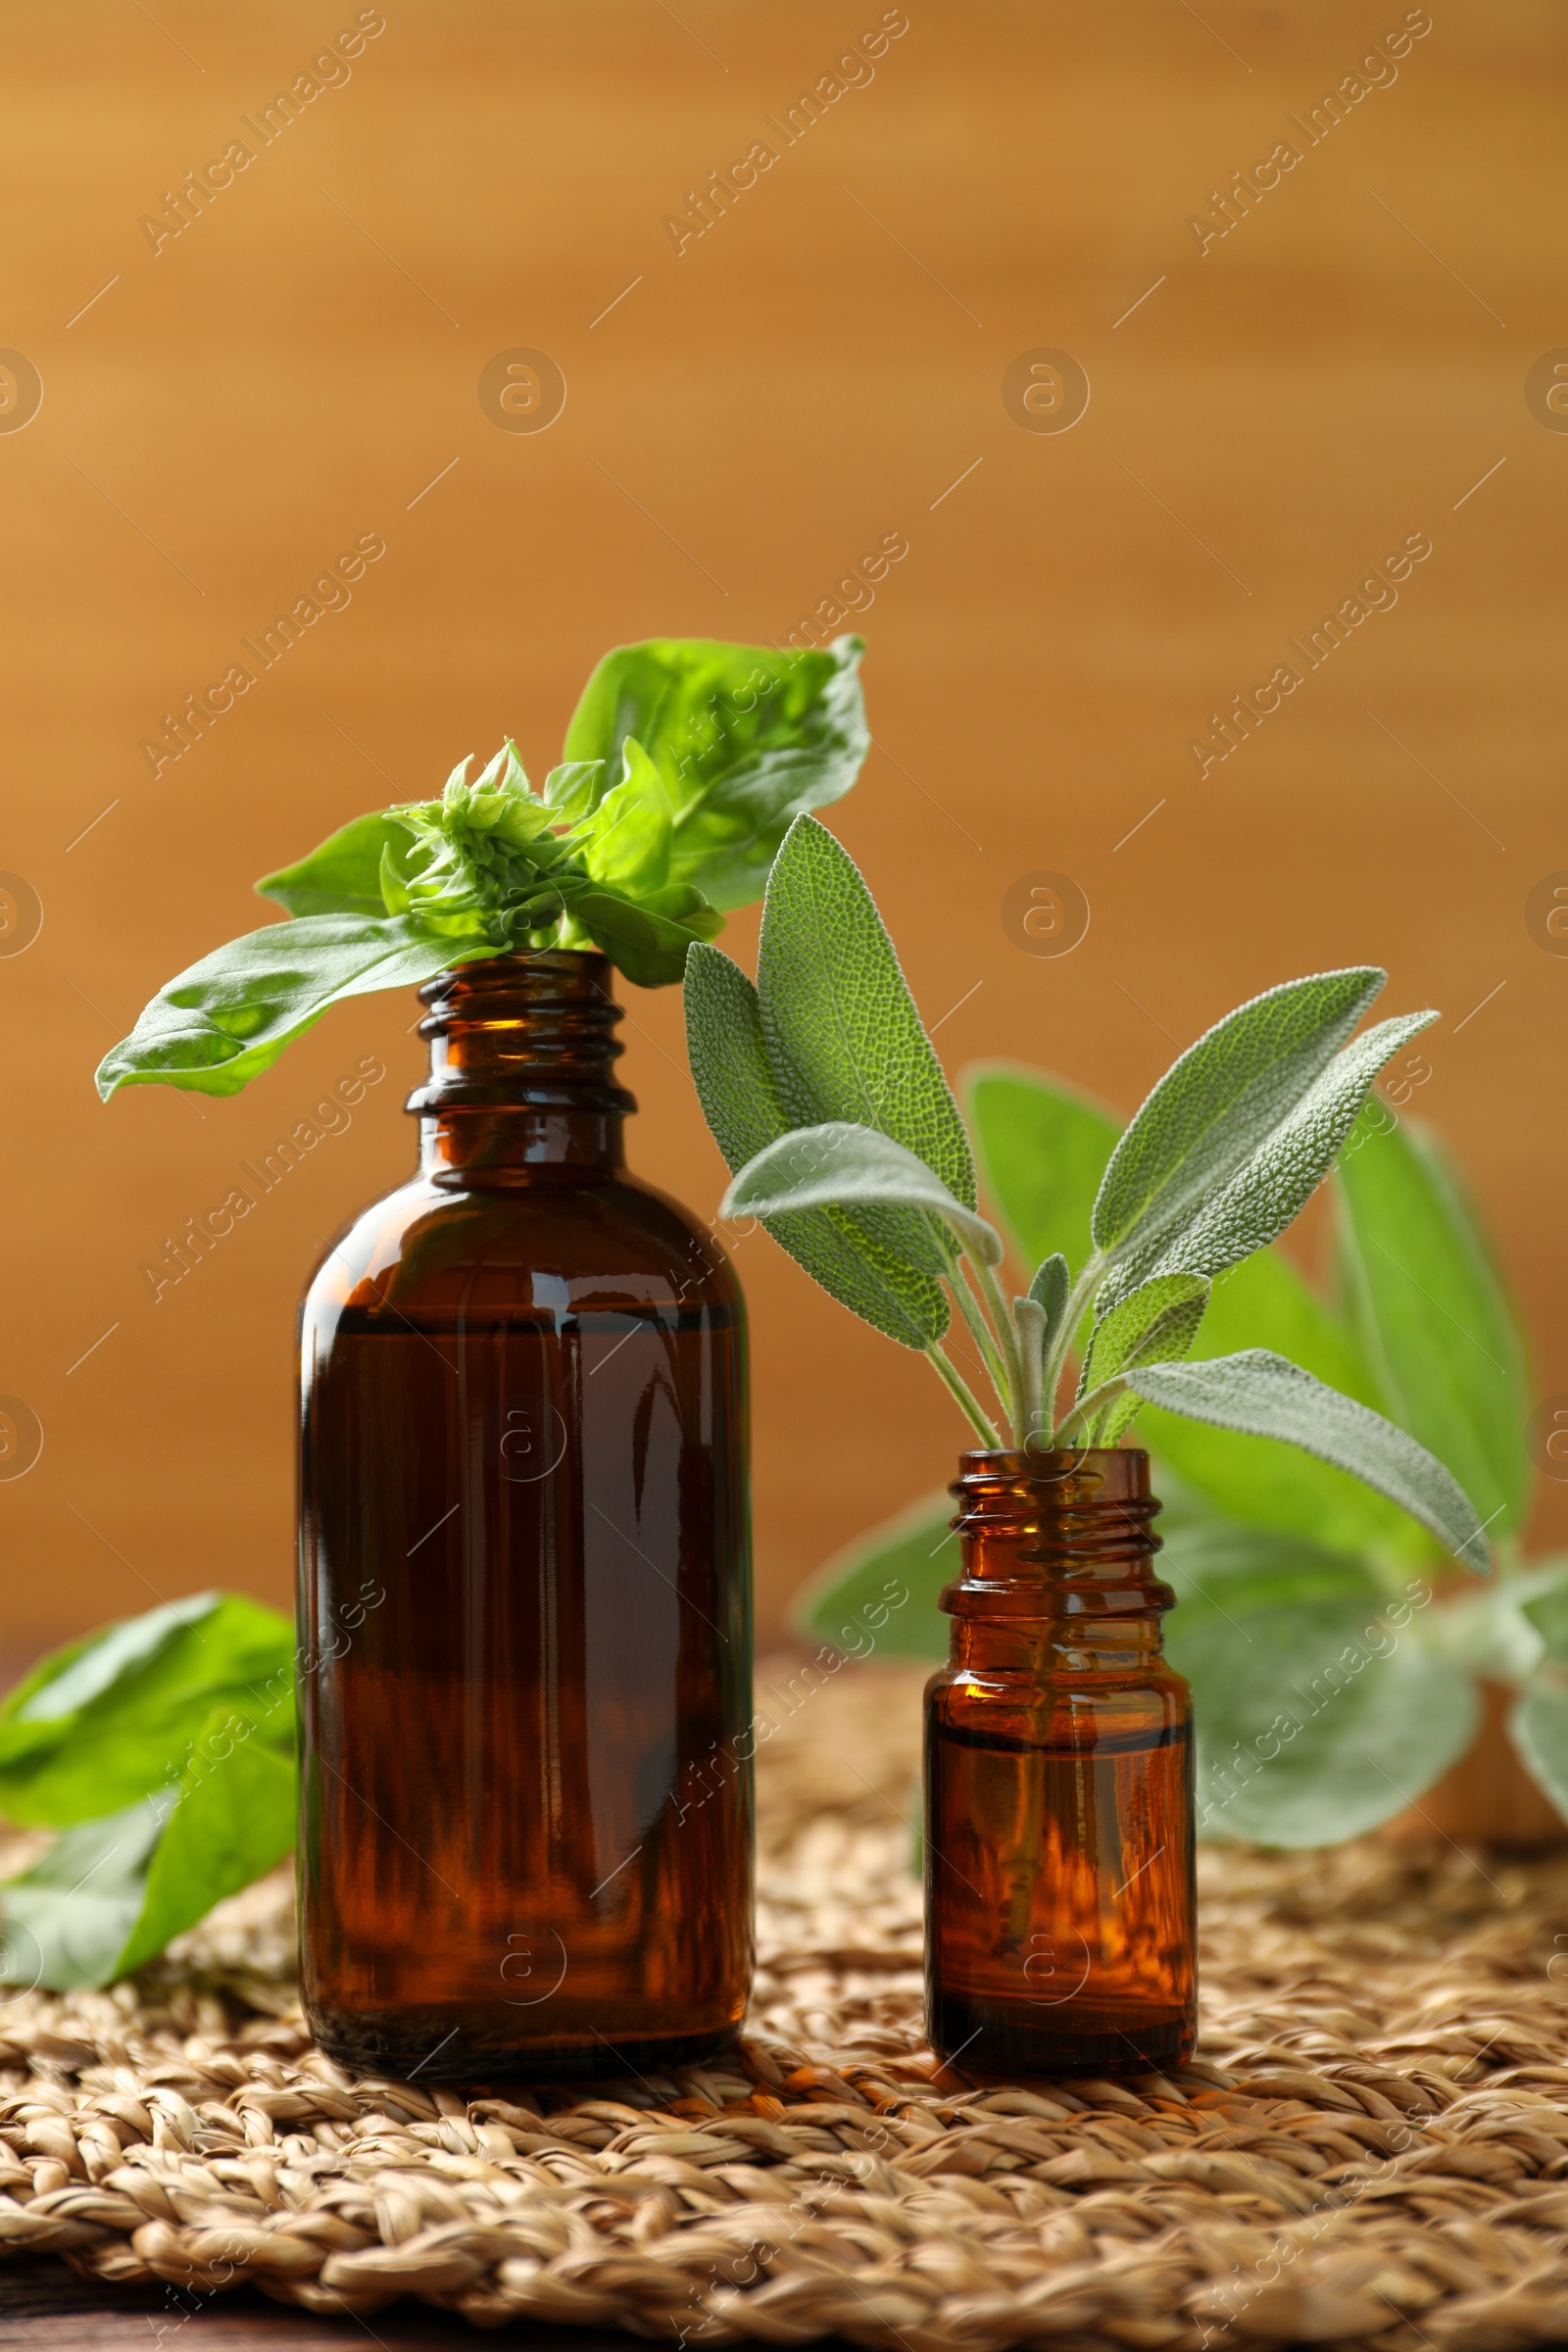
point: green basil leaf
(343, 876)
(647, 938)
(627, 839)
(1044, 1150)
(233, 1817)
(1271, 1188)
(844, 1039)
(1316, 1720)
(1433, 1313)
(746, 738)
(846, 1166)
(110, 1718)
(1263, 1396)
(741, 1103)
(67, 1920)
(1214, 1106)
(110, 1893)
(854, 1604)
(217, 1025)
(573, 789)
(1263, 1302)
(1539, 1728)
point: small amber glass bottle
(525, 1842)
(1060, 1896)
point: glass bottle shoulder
(430, 1249)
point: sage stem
(986, 1340)
(1088, 1408)
(1082, 1289)
(951, 1379)
(1018, 1383)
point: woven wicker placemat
(1372, 2150)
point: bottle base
(391, 2049)
(1012, 2037)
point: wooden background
(825, 367)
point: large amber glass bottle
(1060, 1897)
(525, 1842)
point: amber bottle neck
(521, 1083)
(1057, 1554)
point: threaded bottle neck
(1045, 1536)
(523, 1049)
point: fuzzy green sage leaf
(740, 1100)
(1215, 1105)
(840, 1165)
(1273, 1186)
(1264, 1395)
(844, 1038)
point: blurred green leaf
(64, 1922)
(110, 1893)
(1501, 1634)
(917, 1553)
(1540, 1593)
(1043, 1150)
(112, 1718)
(233, 1817)
(1317, 1719)
(1539, 1728)
(1433, 1316)
(1214, 1564)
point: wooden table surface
(50, 2309)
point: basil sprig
(685, 763)
(162, 1750)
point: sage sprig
(684, 764)
(1338, 1668)
(843, 1137)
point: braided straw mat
(1372, 2149)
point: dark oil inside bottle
(1059, 1862)
(1066, 1929)
(525, 1670)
